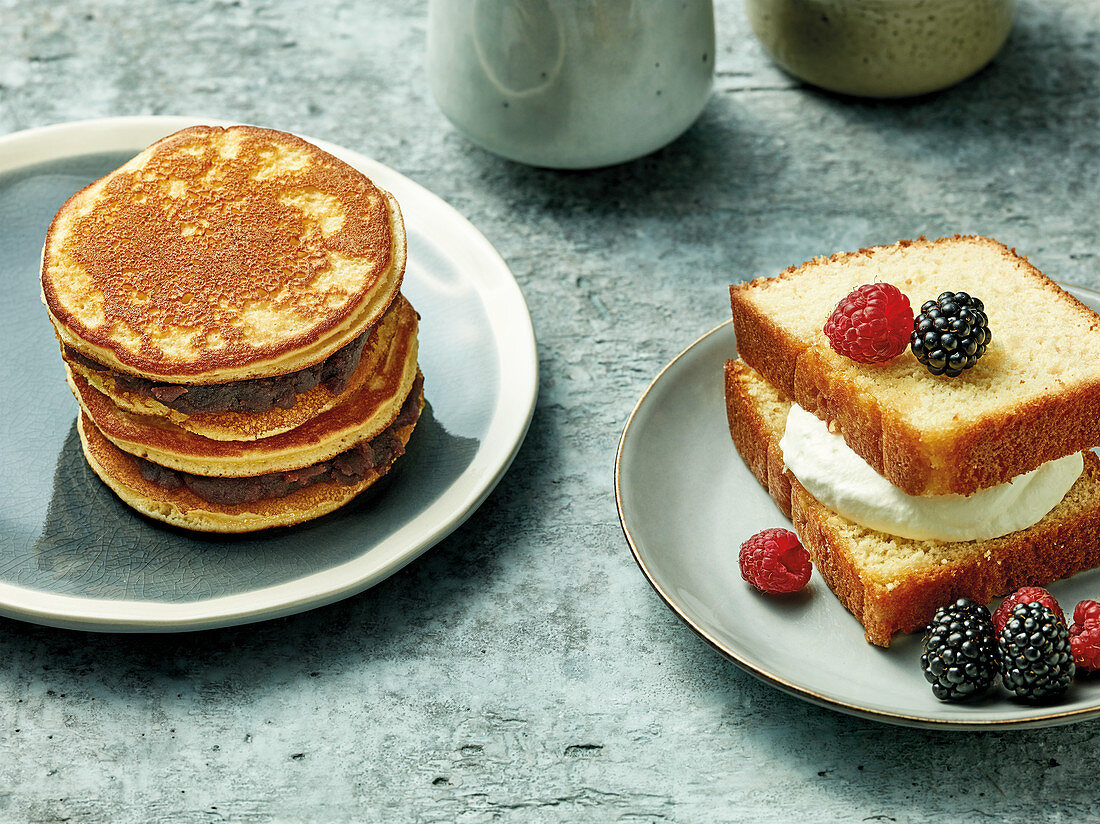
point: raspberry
(872, 324)
(1087, 611)
(1084, 641)
(775, 561)
(1025, 595)
(1084, 635)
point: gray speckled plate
(71, 554)
(687, 501)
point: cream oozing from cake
(830, 471)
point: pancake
(182, 507)
(222, 255)
(393, 336)
(362, 414)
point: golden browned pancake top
(218, 248)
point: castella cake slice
(1026, 402)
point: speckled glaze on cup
(882, 48)
(571, 84)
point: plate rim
(785, 684)
(508, 424)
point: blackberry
(1033, 653)
(950, 333)
(960, 653)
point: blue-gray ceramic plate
(71, 554)
(687, 501)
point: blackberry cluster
(960, 652)
(1035, 658)
(950, 333)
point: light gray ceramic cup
(571, 84)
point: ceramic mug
(882, 48)
(571, 84)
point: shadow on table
(853, 769)
(1019, 100)
(93, 545)
(710, 151)
(402, 616)
(878, 772)
(1041, 87)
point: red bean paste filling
(254, 395)
(347, 468)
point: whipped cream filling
(830, 471)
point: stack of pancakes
(229, 314)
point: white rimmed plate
(72, 555)
(687, 501)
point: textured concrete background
(523, 670)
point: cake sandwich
(229, 312)
(910, 489)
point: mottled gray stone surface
(523, 670)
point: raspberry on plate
(775, 561)
(1025, 595)
(1084, 642)
(872, 324)
(1087, 611)
(1084, 635)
